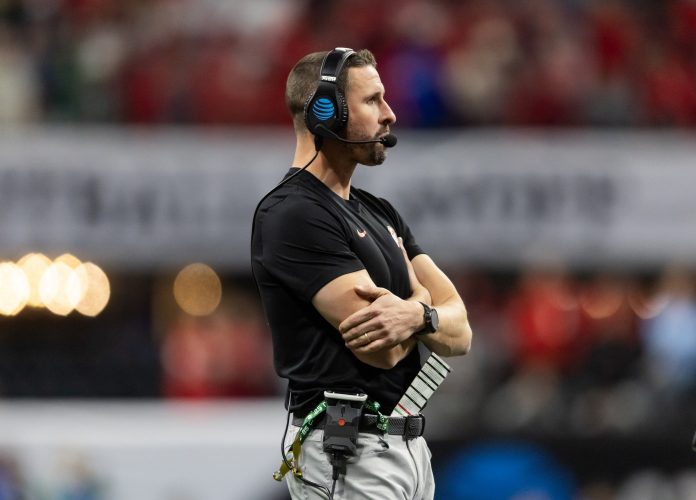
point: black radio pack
(343, 413)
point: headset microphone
(389, 140)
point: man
(346, 290)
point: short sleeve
(402, 229)
(305, 247)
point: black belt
(408, 427)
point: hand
(386, 322)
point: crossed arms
(377, 326)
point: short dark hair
(303, 80)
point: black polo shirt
(305, 236)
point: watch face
(434, 319)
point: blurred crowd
(595, 363)
(444, 62)
(556, 352)
(598, 366)
(77, 480)
(589, 355)
(603, 363)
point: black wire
(258, 205)
(280, 184)
(294, 174)
(415, 464)
(282, 442)
(321, 488)
(335, 472)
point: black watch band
(431, 320)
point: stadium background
(545, 157)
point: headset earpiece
(327, 105)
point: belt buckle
(414, 426)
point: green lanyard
(383, 421)
(296, 447)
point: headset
(326, 108)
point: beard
(366, 154)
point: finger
(374, 346)
(361, 340)
(355, 320)
(357, 334)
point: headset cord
(280, 184)
(415, 463)
(338, 464)
(258, 205)
(321, 488)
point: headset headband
(326, 111)
(333, 63)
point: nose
(388, 117)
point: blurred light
(34, 265)
(644, 306)
(60, 289)
(69, 260)
(601, 303)
(64, 284)
(95, 289)
(14, 289)
(564, 300)
(197, 289)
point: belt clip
(414, 426)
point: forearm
(388, 357)
(421, 294)
(384, 332)
(453, 336)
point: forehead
(363, 80)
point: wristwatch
(431, 320)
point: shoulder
(376, 203)
(290, 202)
(369, 198)
(288, 198)
(293, 210)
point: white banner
(143, 450)
(133, 198)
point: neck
(330, 165)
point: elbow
(462, 345)
(385, 360)
(465, 345)
(458, 350)
(465, 348)
(381, 364)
